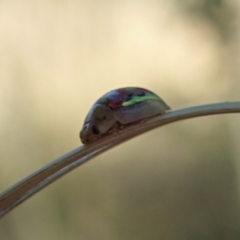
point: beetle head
(98, 122)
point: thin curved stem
(25, 188)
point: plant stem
(25, 188)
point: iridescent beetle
(118, 108)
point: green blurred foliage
(219, 13)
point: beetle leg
(115, 128)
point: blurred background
(180, 181)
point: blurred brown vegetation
(177, 182)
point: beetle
(118, 108)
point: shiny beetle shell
(118, 108)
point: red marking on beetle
(115, 104)
(119, 96)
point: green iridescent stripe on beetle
(137, 99)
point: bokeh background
(180, 181)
